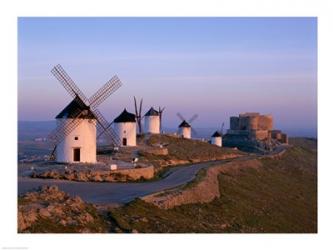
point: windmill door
(76, 154)
(124, 141)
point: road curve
(118, 193)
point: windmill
(79, 114)
(185, 126)
(138, 114)
(216, 138)
(160, 112)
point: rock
(144, 219)
(44, 212)
(59, 208)
(85, 218)
(134, 231)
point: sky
(213, 67)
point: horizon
(213, 67)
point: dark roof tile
(125, 117)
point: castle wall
(259, 134)
(265, 122)
(234, 123)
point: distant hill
(29, 130)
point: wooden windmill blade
(140, 117)
(68, 83)
(194, 131)
(160, 111)
(194, 117)
(136, 108)
(222, 126)
(63, 129)
(181, 117)
(109, 134)
(104, 92)
(138, 114)
(104, 128)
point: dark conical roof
(152, 112)
(125, 117)
(184, 124)
(217, 134)
(74, 110)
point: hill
(279, 197)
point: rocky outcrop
(49, 210)
(96, 175)
(206, 190)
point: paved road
(118, 193)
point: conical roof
(217, 134)
(152, 112)
(184, 124)
(125, 116)
(75, 109)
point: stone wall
(204, 191)
(234, 123)
(136, 173)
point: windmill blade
(135, 107)
(109, 134)
(193, 118)
(104, 92)
(65, 127)
(222, 126)
(181, 117)
(68, 83)
(140, 110)
(194, 131)
(104, 127)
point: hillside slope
(279, 197)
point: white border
(12, 9)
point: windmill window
(76, 138)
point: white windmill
(216, 138)
(152, 121)
(74, 139)
(185, 128)
(125, 128)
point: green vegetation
(279, 197)
(184, 149)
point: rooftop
(125, 116)
(76, 109)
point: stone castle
(253, 130)
(255, 126)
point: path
(118, 193)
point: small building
(79, 146)
(152, 121)
(185, 129)
(216, 139)
(125, 127)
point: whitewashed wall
(86, 133)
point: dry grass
(279, 197)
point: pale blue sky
(216, 67)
